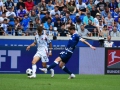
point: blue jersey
(73, 41)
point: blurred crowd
(98, 18)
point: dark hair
(70, 3)
(67, 12)
(39, 28)
(71, 28)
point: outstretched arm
(50, 49)
(84, 41)
(31, 45)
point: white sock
(34, 67)
(48, 66)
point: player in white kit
(41, 40)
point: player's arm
(50, 49)
(84, 41)
(31, 45)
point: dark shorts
(65, 56)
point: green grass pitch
(59, 82)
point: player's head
(71, 29)
(40, 30)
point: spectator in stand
(118, 24)
(95, 33)
(109, 21)
(105, 12)
(78, 25)
(25, 22)
(100, 28)
(101, 6)
(50, 31)
(84, 32)
(76, 18)
(20, 3)
(116, 19)
(10, 12)
(50, 6)
(81, 7)
(71, 7)
(63, 31)
(30, 31)
(54, 19)
(3, 17)
(96, 20)
(29, 4)
(10, 31)
(35, 8)
(1, 6)
(66, 18)
(94, 11)
(90, 27)
(53, 12)
(63, 13)
(42, 7)
(89, 6)
(113, 5)
(58, 24)
(96, 2)
(1, 31)
(87, 18)
(8, 4)
(60, 4)
(104, 32)
(16, 26)
(1, 11)
(115, 13)
(115, 32)
(20, 31)
(45, 18)
(69, 24)
(36, 23)
(47, 24)
(33, 15)
(21, 12)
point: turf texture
(59, 82)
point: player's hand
(93, 47)
(28, 48)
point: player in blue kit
(65, 55)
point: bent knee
(44, 65)
(60, 65)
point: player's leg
(64, 68)
(54, 64)
(34, 67)
(44, 60)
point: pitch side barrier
(60, 42)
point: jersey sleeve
(48, 40)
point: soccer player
(42, 51)
(65, 55)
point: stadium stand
(97, 18)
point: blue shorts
(65, 56)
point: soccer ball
(29, 72)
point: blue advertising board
(15, 59)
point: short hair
(67, 12)
(39, 28)
(71, 28)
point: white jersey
(108, 44)
(42, 42)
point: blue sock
(54, 64)
(66, 70)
